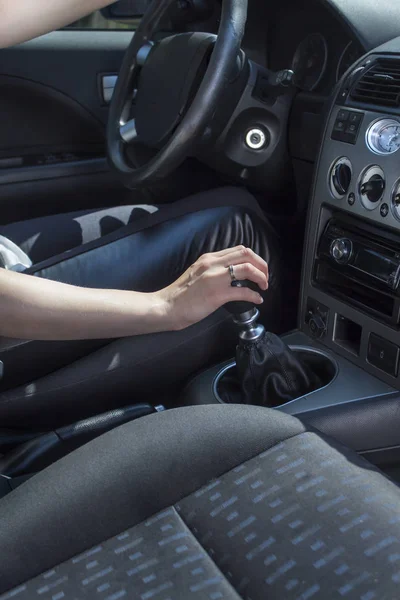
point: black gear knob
(238, 307)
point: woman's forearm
(22, 20)
(40, 309)
(35, 308)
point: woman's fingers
(244, 255)
(244, 295)
(236, 255)
(249, 271)
(226, 251)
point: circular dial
(309, 62)
(349, 56)
(340, 178)
(396, 200)
(383, 136)
(371, 187)
(341, 250)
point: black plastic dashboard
(347, 28)
(307, 37)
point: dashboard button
(341, 250)
(356, 118)
(340, 125)
(351, 199)
(352, 128)
(384, 210)
(343, 115)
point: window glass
(97, 21)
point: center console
(351, 272)
(350, 301)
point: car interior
(208, 491)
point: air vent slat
(390, 89)
(383, 68)
(380, 84)
(384, 76)
(393, 85)
(375, 78)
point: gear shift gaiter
(268, 372)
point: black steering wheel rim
(202, 108)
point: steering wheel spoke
(128, 132)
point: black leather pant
(62, 382)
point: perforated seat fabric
(286, 514)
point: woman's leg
(145, 256)
(50, 236)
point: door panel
(53, 117)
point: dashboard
(307, 37)
(352, 264)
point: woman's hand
(206, 285)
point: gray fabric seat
(204, 502)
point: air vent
(380, 84)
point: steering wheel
(182, 80)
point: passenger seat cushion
(124, 477)
(305, 519)
(299, 521)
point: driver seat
(204, 502)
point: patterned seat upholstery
(304, 518)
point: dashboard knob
(396, 200)
(341, 250)
(372, 187)
(317, 326)
(341, 178)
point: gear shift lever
(269, 372)
(245, 315)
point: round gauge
(349, 56)
(309, 62)
(383, 136)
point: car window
(97, 21)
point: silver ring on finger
(232, 273)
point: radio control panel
(360, 257)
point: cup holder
(317, 360)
